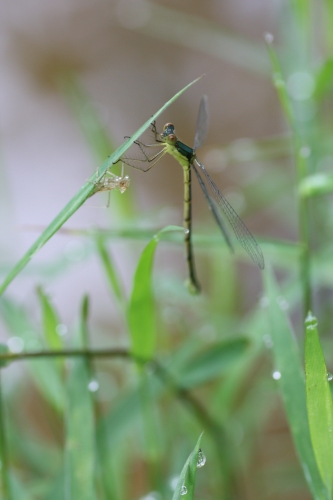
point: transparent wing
(144, 156)
(202, 123)
(242, 233)
(214, 208)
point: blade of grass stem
(75, 203)
(301, 153)
(291, 383)
(319, 403)
(187, 475)
(141, 307)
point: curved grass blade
(141, 308)
(84, 193)
(292, 386)
(187, 475)
(319, 403)
(80, 421)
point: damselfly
(110, 181)
(186, 156)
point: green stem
(301, 154)
(304, 233)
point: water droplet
(264, 302)
(186, 231)
(267, 340)
(93, 385)
(329, 376)
(300, 85)
(269, 38)
(183, 490)
(283, 304)
(61, 329)
(15, 344)
(201, 459)
(311, 322)
(276, 375)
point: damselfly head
(168, 129)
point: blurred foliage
(78, 423)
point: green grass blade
(280, 85)
(141, 308)
(80, 443)
(80, 424)
(93, 130)
(50, 321)
(75, 203)
(187, 475)
(319, 403)
(45, 372)
(110, 270)
(292, 385)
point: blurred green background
(77, 77)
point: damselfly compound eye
(168, 126)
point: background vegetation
(111, 370)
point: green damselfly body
(168, 142)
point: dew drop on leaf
(201, 459)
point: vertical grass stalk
(301, 154)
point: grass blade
(141, 308)
(80, 424)
(75, 203)
(45, 372)
(292, 385)
(50, 321)
(319, 403)
(187, 475)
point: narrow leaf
(187, 475)
(45, 372)
(80, 423)
(110, 270)
(292, 384)
(75, 203)
(50, 321)
(80, 445)
(141, 308)
(319, 403)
